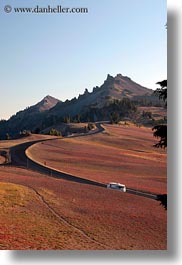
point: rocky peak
(47, 103)
(86, 91)
(85, 94)
(109, 80)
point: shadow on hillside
(163, 200)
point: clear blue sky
(62, 54)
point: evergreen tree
(160, 131)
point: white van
(116, 186)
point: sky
(62, 54)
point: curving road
(20, 159)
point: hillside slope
(117, 94)
(118, 87)
(27, 119)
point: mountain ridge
(46, 103)
(89, 106)
(116, 87)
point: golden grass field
(41, 212)
(122, 154)
(4, 144)
(157, 112)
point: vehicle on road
(116, 186)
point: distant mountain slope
(117, 87)
(90, 106)
(29, 118)
(45, 104)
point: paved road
(142, 193)
(19, 158)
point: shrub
(90, 126)
(54, 132)
(25, 133)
